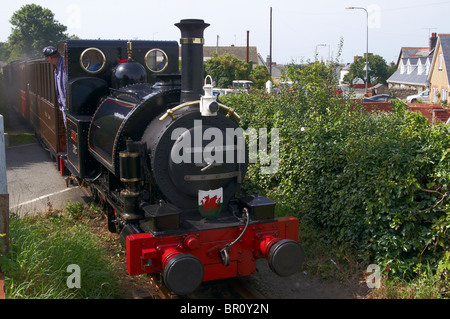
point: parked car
(379, 98)
(422, 96)
(382, 98)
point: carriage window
(92, 60)
(156, 60)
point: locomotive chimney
(191, 58)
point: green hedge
(376, 181)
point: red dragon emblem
(210, 203)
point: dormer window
(420, 67)
(402, 67)
(409, 67)
(427, 67)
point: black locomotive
(164, 157)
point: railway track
(215, 299)
(233, 288)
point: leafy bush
(225, 68)
(377, 181)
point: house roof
(239, 52)
(412, 77)
(444, 42)
(413, 52)
(408, 52)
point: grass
(419, 288)
(43, 248)
(21, 138)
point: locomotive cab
(94, 69)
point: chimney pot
(433, 40)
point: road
(33, 181)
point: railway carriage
(161, 153)
(31, 92)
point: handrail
(171, 112)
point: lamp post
(367, 42)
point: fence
(433, 112)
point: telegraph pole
(270, 51)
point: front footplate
(276, 241)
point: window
(156, 60)
(441, 61)
(402, 67)
(419, 67)
(435, 95)
(92, 60)
(444, 95)
(427, 66)
(409, 67)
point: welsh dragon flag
(210, 202)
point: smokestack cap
(192, 28)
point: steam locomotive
(161, 153)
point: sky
(299, 28)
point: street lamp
(367, 42)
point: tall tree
(259, 75)
(225, 68)
(34, 27)
(378, 72)
(4, 51)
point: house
(345, 69)
(413, 69)
(440, 70)
(238, 51)
(241, 53)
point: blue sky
(299, 27)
